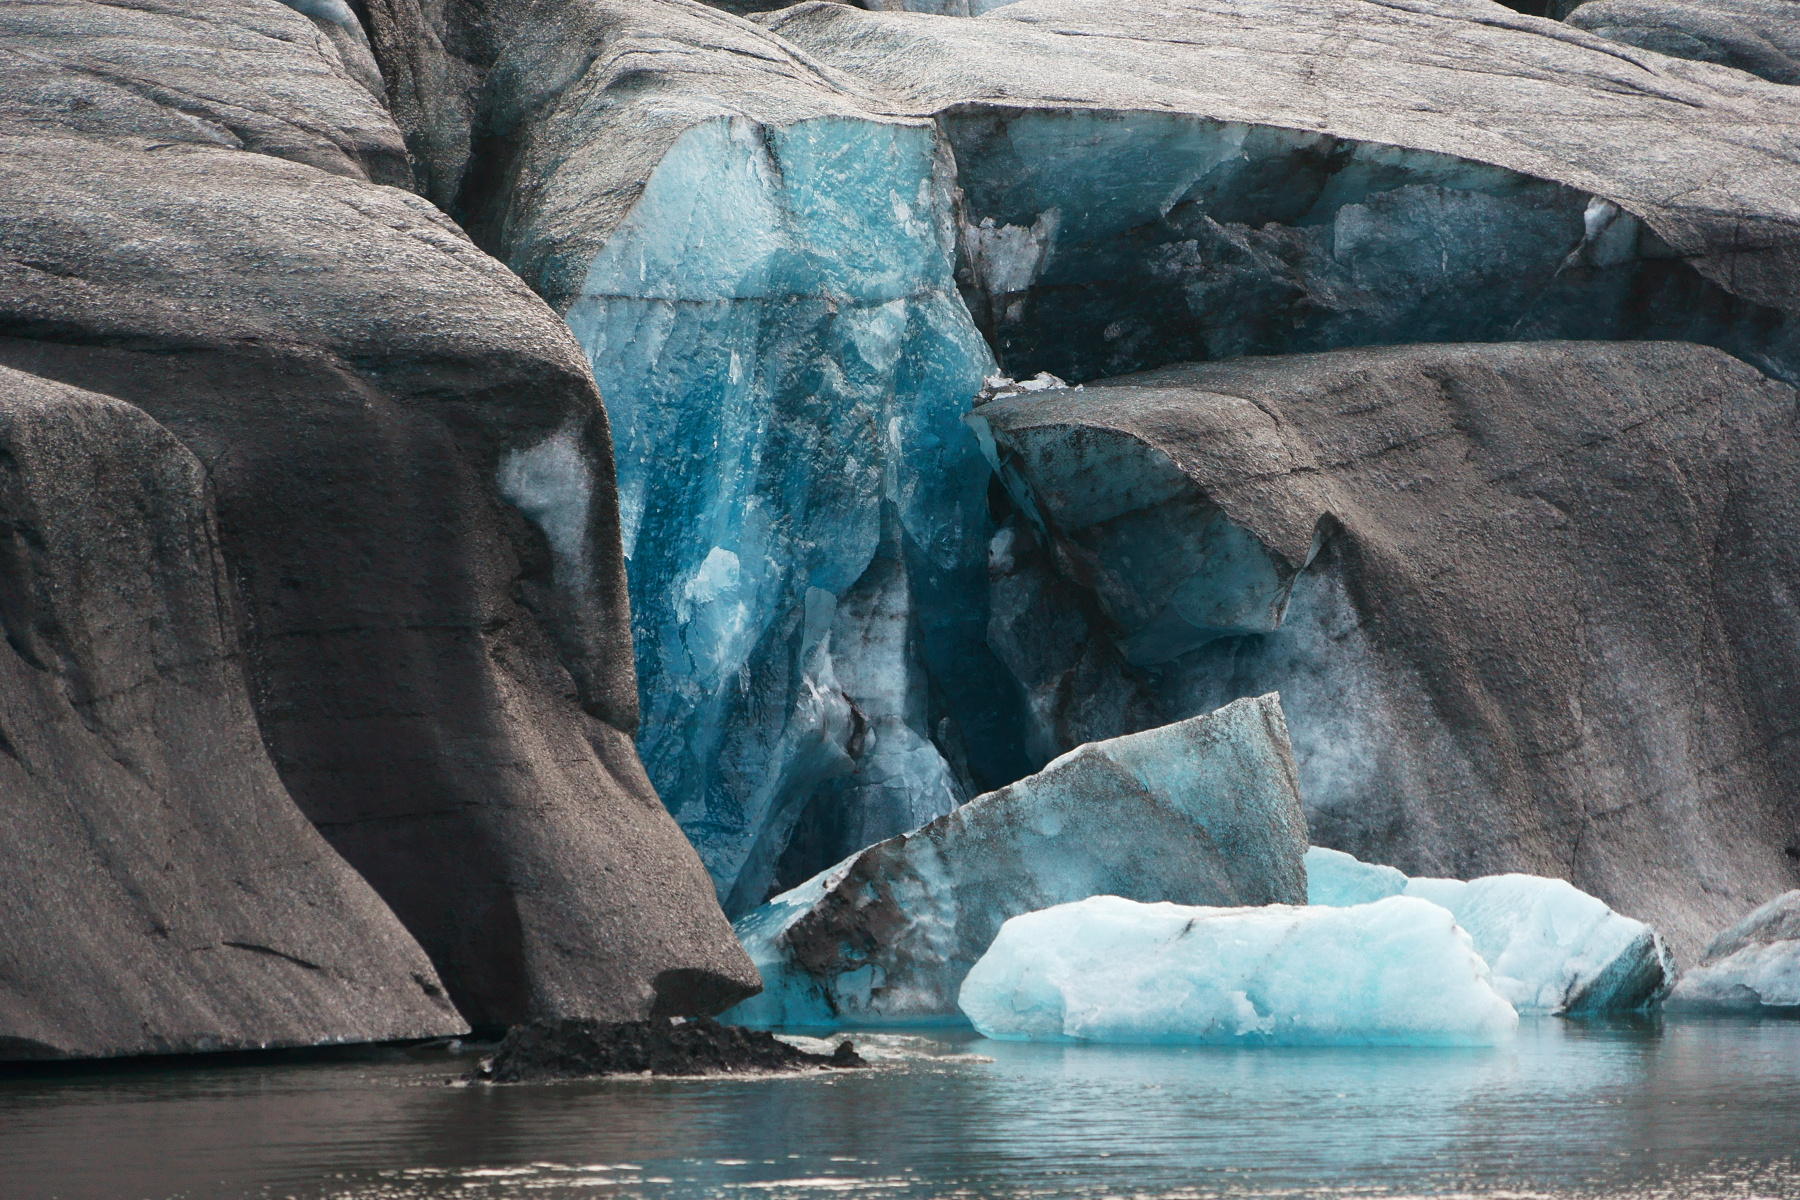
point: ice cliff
(1199, 812)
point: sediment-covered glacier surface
(1200, 812)
(1112, 185)
(1396, 972)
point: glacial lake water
(1669, 1108)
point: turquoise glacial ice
(1106, 969)
(786, 361)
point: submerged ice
(1553, 948)
(1106, 969)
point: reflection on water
(1692, 1108)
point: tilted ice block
(1553, 947)
(1396, 972)
(1200, 812)
(1752, 966)
(1337, 879)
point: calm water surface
(1676, 1109)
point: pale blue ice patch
(1397, 972)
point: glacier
(1106, 969)
(1553, 948)
(1752, 967)
(785, 245)
(785, 359)
(1203, 811)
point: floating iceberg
(1553, 948)
(1105, 969)
(1752, 966)
(1201, 812)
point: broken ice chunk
(1754, 966)
(1106, 969)
(1338, 879)
(1553, 947)
(1203, 811)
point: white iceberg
(1204, 811)
(1553, 948)
(1105, 969)
(1754, 966)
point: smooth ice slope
(1752, 966)
(785, 362)
(1339, 880)
(1396, 972)
(1553, 947)
(1200, 812)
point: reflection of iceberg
(1396, 972)
(1203, 811)
(1552, 947)
(1752, 966)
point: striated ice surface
(1106, 969)
(1553, 948)
(1203, 811)
(1754, 966)
(785, 360)
(1338, 879)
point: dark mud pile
(571, 1049)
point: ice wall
(1096, 243)
(785, 360)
